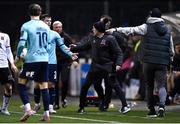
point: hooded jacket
(157, 44)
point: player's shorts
(5, 76)
(37, 71)
(52, 73)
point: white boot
(51, 110)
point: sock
(46, 113)
(50, 107)
(27, 107)
(52, 96)
(23, 93)
(37, 95)
(45, 97)
(6, 100)
(37, 104)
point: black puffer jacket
(156, 44)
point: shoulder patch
(2, 38)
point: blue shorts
(37, 71)
(52, 73)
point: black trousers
(92, 77)
(115, 84)
(108, 90)
(155, 73)
(96, 78)
(63, 76)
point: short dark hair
(43, 16)
(107, 17)
(35, 9)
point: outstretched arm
(141, 30)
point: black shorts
(6, 76)
(37, 71)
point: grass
(69, 115)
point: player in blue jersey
(55, 39)
(34, 33)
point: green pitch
(93, 115)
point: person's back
(156, 42)
(157, 49)
(37, 41)
(36, 34)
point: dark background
(78, 16)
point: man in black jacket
(105, 54)
(63, 66)
(106, 93)
(157, 49)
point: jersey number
(42, 38)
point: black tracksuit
(114, 79)
(105, 54)
(63, 69)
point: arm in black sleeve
(119, 38)
(82, 46)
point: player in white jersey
(6, 78)
(36, 34)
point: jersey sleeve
(22, 41)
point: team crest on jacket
(103, 42)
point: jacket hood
(154, 20)
(159, 25)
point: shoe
(125, 109)
(152, 113)
(5, 112)
(37, 107)
(52, 111)
(81, 111)
(161, 112)
(103, 108)
(56, 107)
(45, 118)
(27, 115)
(64, 103)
